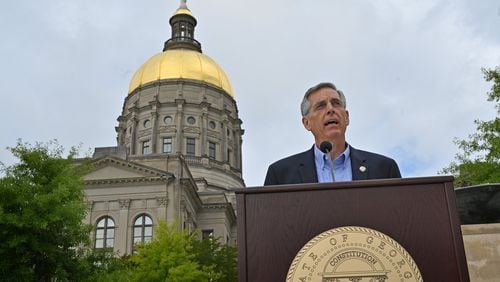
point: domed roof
(184, 64)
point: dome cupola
(183, 24)
(181, 58)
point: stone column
(204, 125)
(133, 139)
(239, 141)
(154, 122)
(179, 126)
(223, 142)
(173, 189)
(88, 216)
(121, 237)
(154, 132)
(161, 211)
(182, 214)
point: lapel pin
(362, 168)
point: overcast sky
(410, 70)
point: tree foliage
(479, 159)
(169, 257)
(221, 258)
(172, 256)
(102, 265)
(41, 211)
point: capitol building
(178, 151)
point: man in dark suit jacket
(324, 114)
(301, 168)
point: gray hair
(305, 106)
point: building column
(121, 237)
(182, 214)
(237, 150)
(179, 125)
(133, 134)
(155, 104)
(154, 132)
(161, 211)
(204, 126)
(172, 209)
(239, 142)
(223, 141)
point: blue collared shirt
(341, 166)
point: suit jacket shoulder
(368, 165)
(295, 169)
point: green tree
(102, 265)
(479, 159)
(221, 258)
(169, 257)
(41, 211)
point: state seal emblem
(353, 253)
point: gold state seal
(353, 253)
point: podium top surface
(348, 184)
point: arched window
(105, 233)
(143, 229)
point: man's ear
(347, 118)
(305, 122)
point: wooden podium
(275, 222)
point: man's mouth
(328, 122)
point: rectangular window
(190, 146)
(167, 145)
(211, 150)
(146, 147)
(228, 156)
(207, 234)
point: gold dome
(181, 63)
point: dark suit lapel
(359, 165)
(307, 167)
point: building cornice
(121, 181)
(151, 175)
(226, 207)
(108, 160)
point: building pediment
(110, 169)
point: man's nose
(330, 108)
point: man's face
(327, 118)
